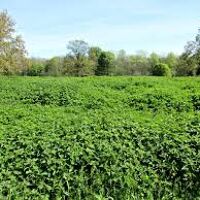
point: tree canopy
(85, 60)
(12, 48)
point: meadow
(99, 138)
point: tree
(171, 60)
(121, 63)
(186, 66)
(198, 71)
(189, 61)
(54, 66)
(105, 63)
(93, 56)
(36, 67)
(139, 64)
(12, 50)
(154, 59)
(85, 66)
(94, 53)
(78, 48)
(161, 70)
(77, 56)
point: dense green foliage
(161, 70)
(104, 63)
(84, 60)
(99, 138)
(12, 49)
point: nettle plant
(99, 138)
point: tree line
(85, 60)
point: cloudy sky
(151, 25)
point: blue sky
(151, 25)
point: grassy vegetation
(121, 138)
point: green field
(114, 138)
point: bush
(161, 70)
(35, 69)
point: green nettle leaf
(99, 138)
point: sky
(158, 26)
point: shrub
(35, 69)
(161, 70)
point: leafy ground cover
(106, 138)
